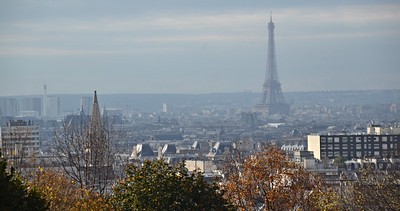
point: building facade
(382, 130)
(53, 106)
(30, 106)
(354, 146)
(87, 104)
(9, 106)
(19, 139)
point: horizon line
(209, 93)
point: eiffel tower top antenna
(270, 16)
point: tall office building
(272, 100)
(87, 104)
(9, 106)
(30, 106)
(164, 108)
(44, 101)
(53, 107)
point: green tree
(340, 161)
(155, 185)
(15, 195)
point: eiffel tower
(272, 100)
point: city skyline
(203, 47)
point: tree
(15, 195)
(375, 189)
(63, 194)
(85, 150)
(340, 162)
(155, 185)
(268, 181)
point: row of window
(358, 154)
(357, 139)
(20, 139)
(26, 144)
(352, 146)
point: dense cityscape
(268, 150)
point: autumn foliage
(268, 181)
(375, 189)
(63, 194)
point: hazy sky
(208, 46)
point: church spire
(96, 117)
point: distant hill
(153, 102)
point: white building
(19, 139)
(382, 130)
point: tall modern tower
(44, 101)
(272, 100)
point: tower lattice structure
(272, 100)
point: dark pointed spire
(95, 97)
(96, 117)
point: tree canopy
(15, 195)
(155, 185)
(268, 181)
(62, 193)
(374, 189)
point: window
(336, 139)
(358, 146)
(337, 146)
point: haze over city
(196, 47)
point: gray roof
(144, 150)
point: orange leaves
(63, 194)
(269, 181)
